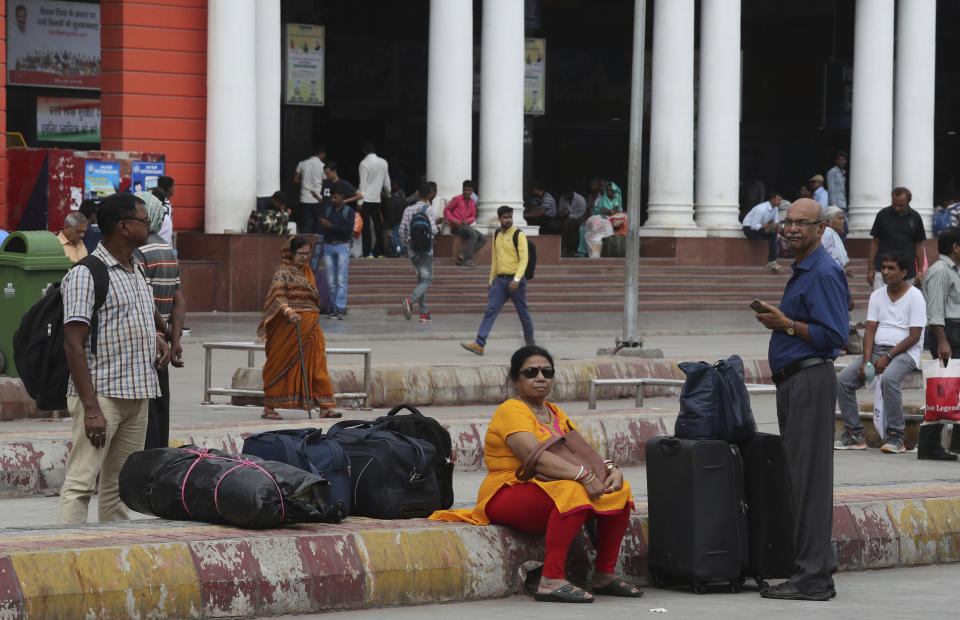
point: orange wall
(3, 112)
(153, 94)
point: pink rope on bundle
(204, 454)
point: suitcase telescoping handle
(400, 408)
(669, 446)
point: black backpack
(415, 424)
(421, 232)
(531, 252)
(38, 342)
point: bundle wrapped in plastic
(209, 485)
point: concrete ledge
(181, 569)
(31, 466)
(486, 383)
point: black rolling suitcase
(696, 513)
(769, 508)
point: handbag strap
(526, 469)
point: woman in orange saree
(293, 301)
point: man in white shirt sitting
(763, 222)
(896, 315)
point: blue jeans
(423, 265)
(336, 258)
(497, 296)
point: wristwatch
(889, 355)
(790, 331)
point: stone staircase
(581, 285)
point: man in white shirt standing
(573, 208)
(309, 175)
(374, 183)
(896, 315)
(763, 222)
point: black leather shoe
(786, 591)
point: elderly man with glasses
(808, 329)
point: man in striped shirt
(163, 275)
(108, 391)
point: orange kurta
(283, 388)
(514, 416)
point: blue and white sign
(100, 178)
(144, 175)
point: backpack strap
(516, 242)
(101, 284)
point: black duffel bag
(415, 424)
(714, 403)
(211, 486)
(394, 476)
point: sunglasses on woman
(533, 371)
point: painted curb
(36, 466)
(486, 383)
(188, 570)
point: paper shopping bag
(943, 390)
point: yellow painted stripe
(412, 567)
(133, 582)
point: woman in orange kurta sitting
(293, 301)
(559, 507)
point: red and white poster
(53, 43)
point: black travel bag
(614, 246)
(415, 424)
(394, 476)
(208, 485)
(714, 403)
(310, 450)
(770, 515)
(696, 513)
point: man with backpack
(113, 355)
(418, 228)
(508, 280)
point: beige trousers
(126, 428)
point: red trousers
(528, 508)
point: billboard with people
(52, 43)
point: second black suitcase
(696, 512)
(769, 508)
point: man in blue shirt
(808, 328)
(819, 193)
(336, 225)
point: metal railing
(251, 348)
(753, 388)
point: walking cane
(303, 369)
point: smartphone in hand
(758, 306)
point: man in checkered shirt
(108, 392)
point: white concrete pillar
(914, 103)
(871, 133)
(501, 111)
(450, 96)
(670, 204)
(718, 118)
(231, 161)
(268, 87)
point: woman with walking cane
(295, 373)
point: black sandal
(567, 593)
(619, 587)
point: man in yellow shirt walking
(507, 266)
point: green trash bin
(30, 261)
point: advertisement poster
(144, 174)
(64, 119)
(304, 64)
(534, 76)
(52, 43)
(100, 178)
